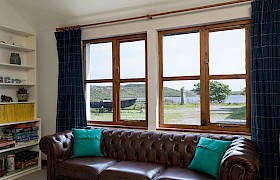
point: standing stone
(182, 96)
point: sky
(181, 57)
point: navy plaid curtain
(71, 107)
(265, 84)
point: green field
(180, 114)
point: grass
(239, 113)
(180, 114)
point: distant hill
(236, 92)
(127, 91)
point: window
(115, 83)
(204, 78)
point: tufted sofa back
(170, 149)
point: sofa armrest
(57, 147)
(240, 161)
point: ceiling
(48, 14)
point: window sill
(119, 125)
(212, 131)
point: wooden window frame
(205, 78)
(116, 80)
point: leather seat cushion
(83, 167)
(130, 170)
(182, 173)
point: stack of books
(23, 133)
(7, 141)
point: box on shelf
(22, 165)
(16, 112)
(25, 125)
(26, 158)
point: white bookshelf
(23, 43)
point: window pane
(227, 52)
(228, 101)
(181, 55)
(100, 64)
(132, 59)
(181, 102)
(133, 101)
(100, 100)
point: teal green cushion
(87, 142)
(208, 155)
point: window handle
(118, 70)
(206, 61)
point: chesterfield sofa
(137, 155)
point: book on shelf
(7, 144)
(26, 142)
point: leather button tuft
(175, 147)
(187, 148)
(160, 136)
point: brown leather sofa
(133, 154)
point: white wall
(10, 18)
(47, 68)
(48, 61)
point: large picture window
(115, 80)
(204, 78)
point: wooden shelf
(6, 65)
(22, 172)
(19, 147)
(13, 84)
(14, 47)
(19, 122)
(17, 102)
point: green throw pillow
(87, 142)
(208, 155)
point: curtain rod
(151, 16)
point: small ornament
(5, 98)
(15, 59)
(22, 95)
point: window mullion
(204, 77)
(116, 81)
(207, 77)
(160, 74)
(248, 90)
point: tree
(218, 91)
(243, 92)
